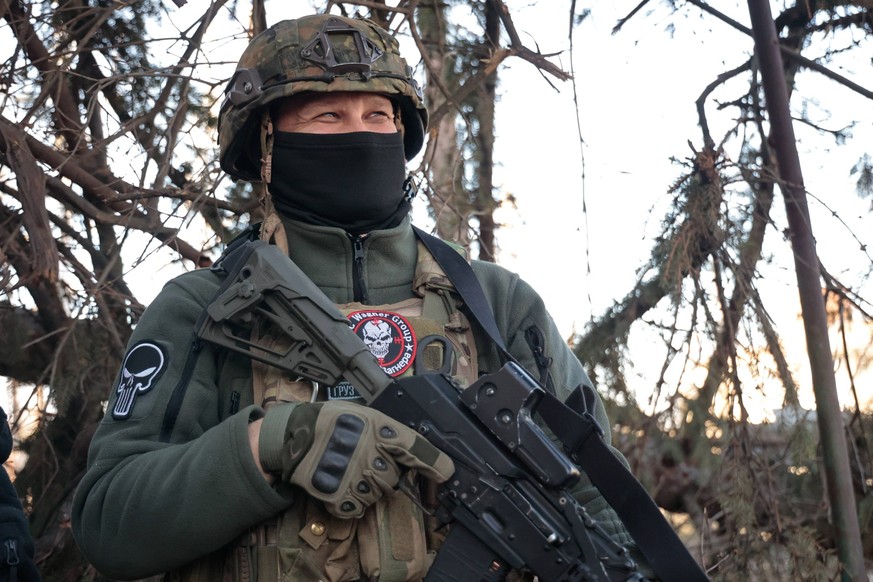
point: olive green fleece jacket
(175, 479)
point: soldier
(203, 464)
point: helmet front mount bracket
(320, 51)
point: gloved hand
(348, 455)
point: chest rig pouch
(394, 540)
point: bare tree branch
(788, 51)
(66, 114)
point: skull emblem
(377, 337)
(141, 367)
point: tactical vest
(394, 540)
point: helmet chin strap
(272, 229)
(266, 146)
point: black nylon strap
(574, 426)
(461, 275)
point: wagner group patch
(389, 336)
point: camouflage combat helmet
(323, 52)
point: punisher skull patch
(389, 336)
(143, 365)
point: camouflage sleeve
(527, 326)
(168, 480)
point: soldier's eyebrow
(377, 98)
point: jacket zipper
(361, 294)
(537, 343)
(12, 559)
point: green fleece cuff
(272, 436)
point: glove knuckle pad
(338, 451)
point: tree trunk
(485, 203)
(445, 165)
(831, 429)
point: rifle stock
(263, 283)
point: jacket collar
(327, 255)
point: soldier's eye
(381, 117)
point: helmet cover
(318, 53)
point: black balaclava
(353, 181)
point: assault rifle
(508, 501)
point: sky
(637, 92)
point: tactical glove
(349, 456)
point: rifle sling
(657, 540)
(461, 274)
(573, 424)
